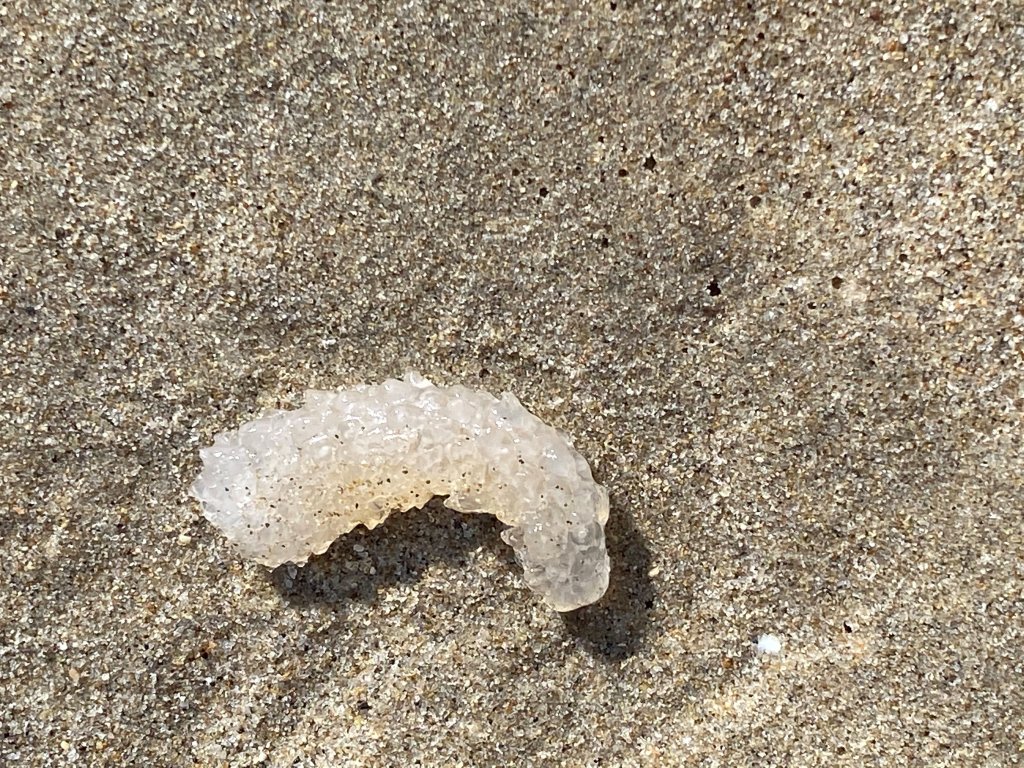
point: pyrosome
(283, 487)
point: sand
(763, 262)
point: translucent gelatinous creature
(283, 487)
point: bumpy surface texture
(283, 487)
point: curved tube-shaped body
(283, 487)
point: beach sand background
(762, 261)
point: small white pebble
(769, 644)
(184, 539)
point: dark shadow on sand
(617, 625)
(362, 563)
